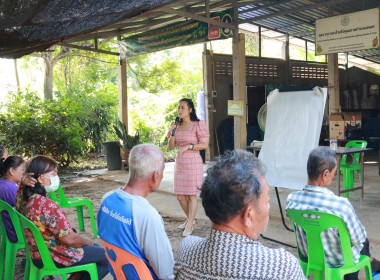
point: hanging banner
(175, 35)
(349, 32)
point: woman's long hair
(38, 165)
(6, 164)
(190, 104)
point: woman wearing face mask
(11, 171)
(66, 247)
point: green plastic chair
(8, 248)
(77, 202)
(49, 267)
(348, 169)
(316, 263)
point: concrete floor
(367, 210)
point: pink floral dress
(188, 171)
(52, 222)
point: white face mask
(54, 184)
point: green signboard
(178, 34)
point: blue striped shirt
(322, 199)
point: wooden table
(351, 151)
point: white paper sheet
(292, 130)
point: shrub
(30, 125)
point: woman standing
(190, 135)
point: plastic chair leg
(10, 256)
(80, 217)
(368, 272)
(318, 275)
(93, 274)
(2, 255)
(92, 218)
(348, 181)
(34, 274)
(27, 269)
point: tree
(50, 60)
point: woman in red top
(190, 136)
(66, 247)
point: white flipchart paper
(292, 130)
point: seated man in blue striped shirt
(321, 167)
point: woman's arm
(196, 147)
(201, 146)
(74, 240)
(171, 143)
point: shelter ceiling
(34, 25)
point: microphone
(175, 123)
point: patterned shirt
(224, 255)
(321, 199)
(52, 222)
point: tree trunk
(48, 81)
(16, 74)
(49, 66)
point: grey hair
(145, 159)
(319, 160)
(230, 184)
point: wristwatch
(191, 146)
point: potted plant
(127, 141)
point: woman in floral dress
(66, 247)
(190, 136)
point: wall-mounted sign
(236, 108)
(178, 34)
(349, 32)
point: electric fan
(262, 116)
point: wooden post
(287, 60)
(209, 102)
(123, 97)
(333, 83)
(239, 89)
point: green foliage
(30, 125)
(152, 75)
(251, 45)
(85, 102)
(151, 114)
(128, 141)
(94, 112)
(88, 81)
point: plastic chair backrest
(28, 225)
(6, 208)
(62, 200)
(313, 228)
(354, 144)
(119, 258)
